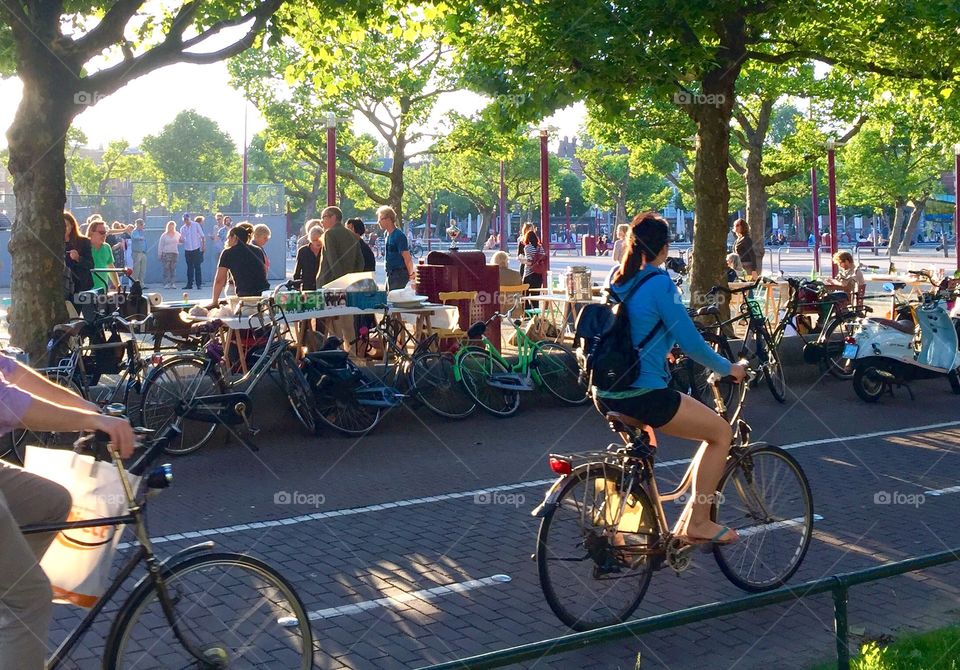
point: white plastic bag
(78, 561)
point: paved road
(423, 503)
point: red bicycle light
(560, 466)
(156, 359)
(849, 340)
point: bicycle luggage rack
(838, 585)
(509, 381)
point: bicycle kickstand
(246, 440)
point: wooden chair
(511, 299)
(451, 298)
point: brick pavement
(353, 558)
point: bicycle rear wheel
(590, 558)
(837, 331)
(298, 391)
(236, 610)
(177, 380)
(559, 372)
(432, 381)
(765, 497)
(337, 406)
(476, 366)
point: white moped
(886, 352)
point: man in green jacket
(341, 253)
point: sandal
(689, 539)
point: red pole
(816, 220)
(832, 182)
(544, 195)
(956, 200)
(503, 206)
(331, 159)
(429, 208)
(567, 201)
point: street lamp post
(956, 203)
(331, 159)
(429, 212)
(815, 204)
(567, 203)
(832, 194)
(544, 196)
(143, 210)
(503, 206)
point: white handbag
(78, 561)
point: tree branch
(108, 32)
(173, 48)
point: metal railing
(838, 585)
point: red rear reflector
(849, 340)
(560, 466)
(156, 359)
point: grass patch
(936, 650)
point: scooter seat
(903, 326)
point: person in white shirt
(168, 250)
(194, 244)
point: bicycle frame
(144, 554)
(526, 348)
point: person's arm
(680, 325)
(27, 379)
(298, 268)
(408, 260)
(219, 281)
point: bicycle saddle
(328, 356)
(708, 310)
(836, 296)
(74, 327)
(622, 423)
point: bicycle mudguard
(550, 499)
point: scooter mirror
(887, 286)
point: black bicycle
(197, 608)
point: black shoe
(187, 288)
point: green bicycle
(495, 383)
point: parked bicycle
(180, 377)
(604, 530)
(197, 608)
(426, 374)
(495, 383)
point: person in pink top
(32, 401)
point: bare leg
(694, 421)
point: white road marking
(942, 492)
(319, 516)
(424, 595)
(786, 523)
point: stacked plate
(405, 298)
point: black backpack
(604, 346)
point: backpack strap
(656, 328)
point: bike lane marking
(351, 511)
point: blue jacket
(660, 300)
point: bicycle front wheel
(765, 497)
(773, 373)
(298, 391)
(559, 372)
(476, 367)
(174, 381)
(837, 331)
(433, 383)
(234, 610)
(594, 560)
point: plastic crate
(366, 300)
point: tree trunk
(38, 166)
(713, 196)
(396, 179)
(896, 230)
(756, 203)
(621, 205)
(915, 215)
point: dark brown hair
(531, 238)
(69, 218)
(649, 233)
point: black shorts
(654, 408)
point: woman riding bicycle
(657, 302)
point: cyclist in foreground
(31, 401)
(657, 304)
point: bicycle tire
(298, 391)
(773, 371)
(339, 409)
(690, 378)
(768, 486)
(837, 365)
(568, 537)
(215, 616)
(170, 383)
(475, 367)
(559, 372)
(432, 380)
